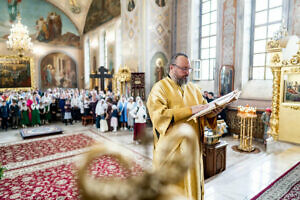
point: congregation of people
(209, 97)
(110, 112)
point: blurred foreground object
(158, 184)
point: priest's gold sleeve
(160, 114)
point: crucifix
(103, 74)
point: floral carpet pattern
(41, 148)
(286, 187)
(46, 167)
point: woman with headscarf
(114, 118)
(130, 107)
(100, 115)
(35, 118)
(122, 108)
(140, 116)
(24, 115)
(29, 103)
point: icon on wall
(161, 3)
(131, 5)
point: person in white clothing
(114, 118)
(139, 114)
(130, 107)
(100, 116)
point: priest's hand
(215, 112)
(198, 108)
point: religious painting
(138, 84)
(158, 67)
(45, 22)
(226, 79)
(58, 70)
(161, 3)
(131, 5)
(100, 12)
(16, 72)
(291, 92)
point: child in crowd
(47, 112)
(24, 115)
(86, 107)
(4, 114)
(114, 118)
(265, 117)
(35, 114)
(42, 112)
(14, 114)
(67, 115)
(122, 107)
(53, 110)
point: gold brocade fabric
(169, 107)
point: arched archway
(58, 70)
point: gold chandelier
(19, 40)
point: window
(87, 62)
(105, 49)
(266, 20)
(208, 38)
(196, 64)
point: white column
(87, 63)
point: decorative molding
(293, 107)
(296, 18)
(273, 45)
(131, 23)
(229, 30)
(295, 60)
(275, 58)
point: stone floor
(245, 174)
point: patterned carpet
(286, 187)
(44, 168)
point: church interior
(80, 119)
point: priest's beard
(180, 81)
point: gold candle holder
(247, 114)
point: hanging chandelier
(19, 40)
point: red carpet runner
(286, 187)
(43, 172)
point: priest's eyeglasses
(189, 69)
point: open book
(220, 102)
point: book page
(219, 102)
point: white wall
(111, 30)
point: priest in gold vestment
(171, 101)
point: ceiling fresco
(100, 12)
(45, 22)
